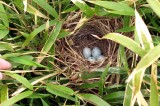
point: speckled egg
(86, 52)
(101, 58)
(96, 52)
(91, 59)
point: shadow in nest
(70, 49)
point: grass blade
(129, 43)
(3, 93)
(34, 11)
(38, 95)
(16, 98)
(115, 7)
(149, 58)
(21, 79)
(93, 99)
(155, 5)
(154, 97)
(61, 91)
(102, 80)
(115, 95)
(36, 31)
(47, 7)
(25, 61)
(128, 94)
(143, 33)
(4, 19)
(51, 40)
(6, 46)
(84, 7)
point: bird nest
(70, 48)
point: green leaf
(154, 94)
(16, 98)
(89, 85)
(128, 94)
(4, 21)
(129, 43)
(84, 7)
(126, 29)
(25, 61)
(21, 79)
(51, 40)
(44, 103)
(3, 93)
(155, 5)
(36, 31)
(123, 58)
(114, 95)
(6, 46)
(102, 80)
(38, 95)
(149, 58)
(34, 11)
(115, 7)
(93, 99)
(61, 91)
(47, 7)
(142, 33)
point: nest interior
(70, 48)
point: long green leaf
(6, 46)
(93, 99)
(128, 94)
(3, 93)
(51, 40)
(25, 61)
(84, 7)
(154, 94)
(21, 79)
(114, 95)
(61, 91)
(44, 103)
(16, 98)
(143, 34)
(38, 95)
(126, 42)
(4, 21)
(115, 7)
(47, 7)
(36, 31)
(102, 80)
(34, 11)
(149, 58)
(155, 5)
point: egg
(96, 52)
(101, 58)
(86, 52)
(91, 59)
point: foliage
(29, 30)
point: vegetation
(29, 30)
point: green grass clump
(29, 30)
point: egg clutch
(94, 55)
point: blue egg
(96, 52)
(86, 52)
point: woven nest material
(70, 48)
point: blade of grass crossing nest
(96, 36)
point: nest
(70, 49)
